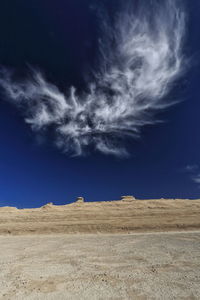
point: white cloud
(191, 168)
(196, 178)
(194, 172)
(141, 58)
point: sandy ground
(138, 249)
(103, 217)
(100, 266)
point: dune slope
(123, 216)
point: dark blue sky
(60, 37)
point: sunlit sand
(106, 250)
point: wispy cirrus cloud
(141, 58)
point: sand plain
(98, 267)
(141, 249)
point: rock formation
(128, 198)
(80, 200)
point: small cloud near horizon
(194, 172)
(191, 168)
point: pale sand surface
(100, 266)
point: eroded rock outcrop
(128, 198)
(80, 200)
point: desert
(120, 216)
(99, 99)
(125, 249)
